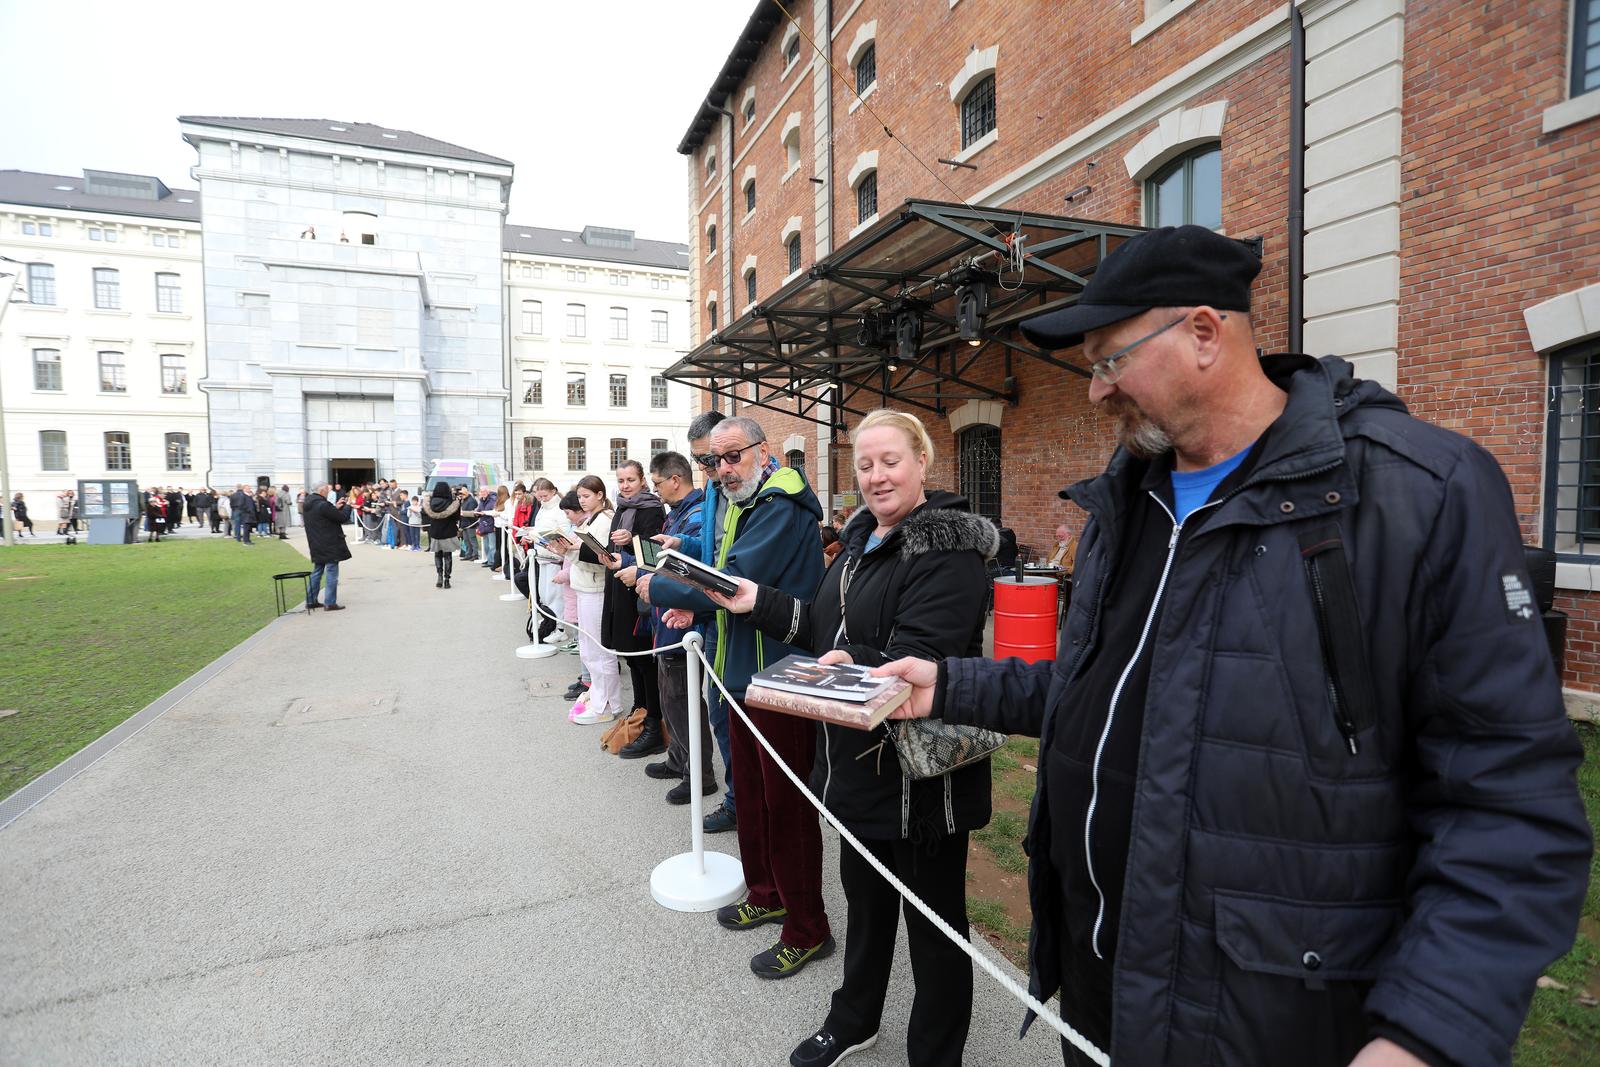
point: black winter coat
(622, 627)
(1298, 881)
(324, 530)
(921, 592)
(242, 507)
(443, 524)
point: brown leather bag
(623, 731)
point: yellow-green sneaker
(783, 960)
(745, 915)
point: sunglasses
(711, 459)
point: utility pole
(8, 282)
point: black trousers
(942, 1008)
(646, 688)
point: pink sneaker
(577, 708)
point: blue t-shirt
(1191, 489)
(873, 541)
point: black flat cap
(1174, 266)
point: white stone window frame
(866, 163)
(866, 35)
(744, 194)
(1574, 109)
(976, 413)
(709, 168)
(789, 37)
(1157, 13)
(979, 64)
(791, 228)
(747, 107)
(712, 302)
(791, 132)
(1568, 319)
(1178, 132)
(705, 232)
(745, 270)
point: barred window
(577, 453)
(619, 324)
(174, 375)
(658, 391)
(577, 389)
(978, 469)
(619, 452)
(866, 68)
(113, 373)
(867, 196)
(41, 283)
(749, 109)
(107, 289)
(178, 452)
(977, 112)
(794, 253)
(577, 321)
(169, 296)
(619, 390)
(533, 453)
(119, 454)
(750, 196)
(711, 238)
(1572, 472)
(795, 458)
(658, 327)
(533, 317)
(47, 369)
(792, 52)
(53, 450)
(533, 387)
(750, 286)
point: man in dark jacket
(769, 536)
(242, 511)
(325, 541)
(1306, 788)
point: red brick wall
(1495, 216)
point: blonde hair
(916, 434)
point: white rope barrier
(1083, 1044)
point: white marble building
(352, 299)
(102, 342)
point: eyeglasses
(1109, 369)
(730, 458)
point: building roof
(595, 242)
(362, 134)
(763, 21)
(100, 191)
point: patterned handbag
(928, 748)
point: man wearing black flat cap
(1306, 788)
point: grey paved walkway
(429, 866)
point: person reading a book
(640, 513)
(769, 535)
(909, 581)
(603, 701)
(1306, 785)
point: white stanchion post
(538, 649)
(696, 880)
(508, 560)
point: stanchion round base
(536, 651)
(677, 883)
(513, 595)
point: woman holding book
(589, 576)
(910, 576)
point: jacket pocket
(1293, 978)
(1344, 652)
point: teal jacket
(773, 541)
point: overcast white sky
(589, 100)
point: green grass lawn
(89, 634)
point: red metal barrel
(1025, 618)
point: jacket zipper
(1341, 708)
(1111, 714)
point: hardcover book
(675, 564)
(840, 693)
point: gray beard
(743, 493)
(1144, 438)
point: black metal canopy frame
(903, 312)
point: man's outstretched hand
(923, 674)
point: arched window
(619, 324)
(577, 320)
(791, 148)
(978, 469)
(794, 253)
(866, 68)
(533, 386)
(533, 317)
(791, 52)
(711, 314)
(866, 197)
(1187, 190)
(750, 196)
(795, 458)
(750, 285)
(977, 111)
(711, 238)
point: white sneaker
(556, 638)
(591, 716)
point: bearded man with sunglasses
(767, 532)
(1306, 786)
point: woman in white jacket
(547, 520)
(604, 698)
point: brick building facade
(1450, 161)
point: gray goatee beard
(1142, 437)
(743, 493)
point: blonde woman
(604, 698)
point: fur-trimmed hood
(452, 508)
(945, 523)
